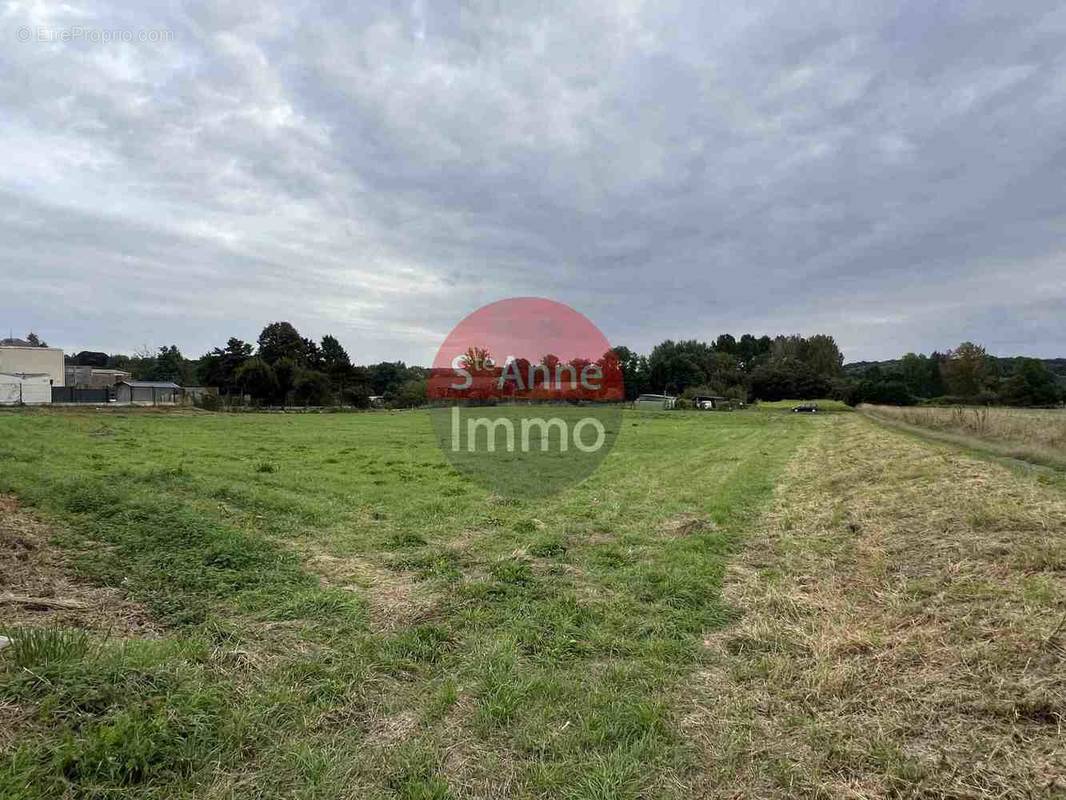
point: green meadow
(336, 611)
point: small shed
(654, 402)
(148, 393)
(710, 402)
(29, 389)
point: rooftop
(19, 344)
(24, 375)
(150, 384)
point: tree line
(283, 367)
(795, 367)
(965, 375)
(748, 368)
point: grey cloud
(891, 175)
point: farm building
(25, 389)
(29, 360)
(655, 402)
(106, 378)
(148, 393)
(94, 378)
(77, 376)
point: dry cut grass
(38, 587)
(1032, 434)
(901, 632)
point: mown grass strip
(898, 631)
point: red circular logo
(526, 396)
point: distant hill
(856, 369)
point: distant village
(32, 373)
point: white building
(25, 389)
(19, 360)
(655, 402)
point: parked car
(805, 408)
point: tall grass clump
(1037, 435)
(33, 646)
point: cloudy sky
(892, 174)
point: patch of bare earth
(472, 769)
(395, 599)
(685, 525)
(900, 633)
(37, 586)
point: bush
(885, 393)
(356, 396)
(258, 379)
(411, 394)
(311, 388)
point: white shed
(25, 389)
(19, 360)
(146, 393)
(655, 402)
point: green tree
(387, 376)
(823, 356)
(788, 379)
(935, 381)
(819, 353)
(726, 343)
(887, 392)
(92, 358)
(35, 340)
(788, 348)
(285, 370)
(966, 370)
(914, 372)
(674, 366)
(410, 394)
(634, 371)
(1032, 384)
(281, 340)
(335, 359)
(312, 388)
(219, 367)
(167, 365)
(312, 356)
(256, 377)
(752, 351)
(356, 388)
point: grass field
(1036, 435)
(343, 614)
(316, 606)
(828, 406)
